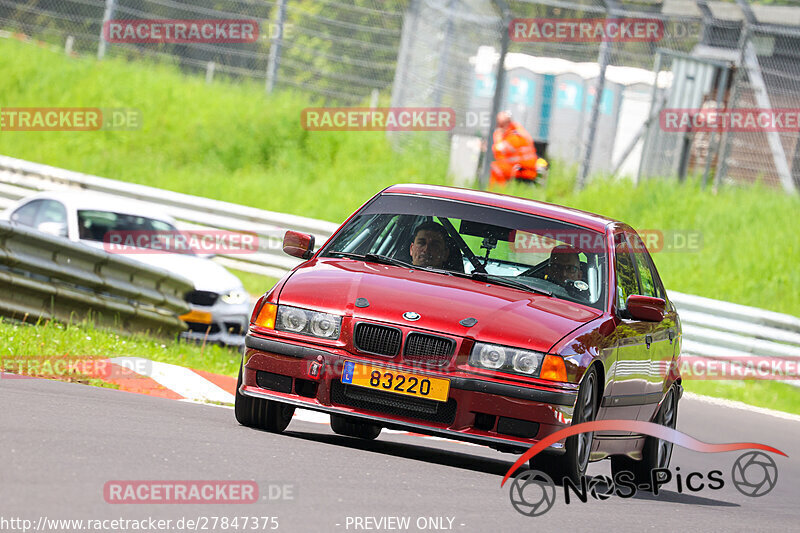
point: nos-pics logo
(533, 492)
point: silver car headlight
(306, 322)
(506, 359)
(235, 297)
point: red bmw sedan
(472, 316)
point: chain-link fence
(595, 100)
(338, 50)
(703, 56)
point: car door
(632, 361)
(661, 335)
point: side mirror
(646, 308)
(298, 244)
(59, 229)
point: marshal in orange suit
(514, 154)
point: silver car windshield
(96, 225)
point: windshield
(95, 225)
(494, 245)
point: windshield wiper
(376, 258)
(500, 280)
(385, 259)
(348, 255)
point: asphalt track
(60, 443)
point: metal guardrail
(711, 328)
(19, 178)
(53, 278)
(724, 330)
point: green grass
(767, 394)
(224, 141)
(255, 284)
(232, 142)
(84, 341)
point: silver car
(220, 305)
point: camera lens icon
(532, 493)
(754, 474)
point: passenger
(564, 267)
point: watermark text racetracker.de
(184, 523)
(144, 31)
(744, 367)
(65, 367)
(180, 242)
(378, 119)
(709, 120)
(653, 241)
(130, 492)
(69, 119)
(586, 30)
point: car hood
(205, 274)
(504, 315)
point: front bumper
(502, 415)
(228, 324)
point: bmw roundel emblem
(411, 315)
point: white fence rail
(711, 328)
(723, 330)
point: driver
(564, 266)
(429, 245)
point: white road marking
(732, 404)
(182, 381)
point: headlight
(308, 322)
(526, 362)
(492, 356)
(235, 297)
(506, 359)
(324, 325)
(292, 319)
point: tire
(656, 453)
(260, 413)
(351, 427)
(243, 405)
(573, 463)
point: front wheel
(573, 463)
(656, 453)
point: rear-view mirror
(646, 308)
(298, 244)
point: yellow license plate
(203, 317)
(390, 380)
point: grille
(234, 328)
(197, 327)
(428, 349)
(393, 404)
(379, 340)
(206, 298)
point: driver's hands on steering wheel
(566, 275)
